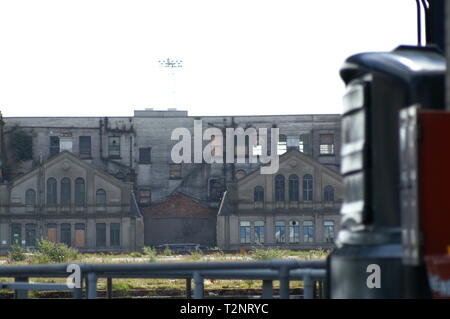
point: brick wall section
(178, 206)
(179, 219)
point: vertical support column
(198, 290)
(267, 287)
(109, 288)
(188, 288)
(92, 286)
(21, 293)
(77, 293)
(284, 282)
(307, 287)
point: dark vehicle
(181, 248)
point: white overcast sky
(100, 58)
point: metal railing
(284, 271)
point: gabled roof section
(65, 155)
(178, 205)
(293, 153)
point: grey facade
(68, 200)
(137, 149)
(296, 208)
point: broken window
(174, 171)
(65, 142)
(16, 234)
(215, 189)
(114, 146)
(259, 194)
(145, 155)
(280, 232)
(85, 146)
(259, 232)
(308, 231)
(54, 145)
(294, 231)
(307, 187)
(244, 232)
(328, 228)
(145, 197)
(30, 235)
(304, 144)
(326, 144)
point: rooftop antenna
(171, 66)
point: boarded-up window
(174, 171)
(16, 234)
(326, 144)
(100, 235)
(85, 146)
(145, 197)
(80, 235)
(145, 155)
(30, 235)
(114, 234)
(51, 232)
(66, 234)
(114, 146)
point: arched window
(100, 197)
(30, 197)
(51, 191)
(279, 188)
(293, 188)
(307, 187)
(80, 192)
(328, 193)
(259, 194)
(65, 191)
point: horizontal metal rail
(267, 271)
